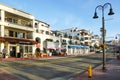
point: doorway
(13, 51)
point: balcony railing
(19, 22)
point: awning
(2, 39)
(16, 40)
(78, 47)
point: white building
(16, 31)
(22, 33)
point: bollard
(89, 71)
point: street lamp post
(118, 39)
(103, 28)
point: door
(13, 51)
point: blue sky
(65, 14)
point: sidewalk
(112, 73)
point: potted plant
(37, 52)
(25, 55)
(118, 56)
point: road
(52, 69)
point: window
(70, 37)
(37, 31)
(36, 24)
(11, 33)
(20, 35)
(15, 21)
(9, 19)
(63, 40)
(30, 49)
(86, 38)
(16, 34)
(26, 49)
(38, 39)
(41, 31)
(82, 39)
(47, 32)
(86, 43)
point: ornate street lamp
(103, 27)
(118, 39)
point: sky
(65, 14)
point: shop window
(30, 49)
(26, 49)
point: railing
(19, 22)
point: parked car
(99, 51)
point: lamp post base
(104, 69)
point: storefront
(17, 47)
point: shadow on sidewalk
(112, 73)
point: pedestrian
(4, 51)
(0, 56)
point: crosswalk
(58, 69)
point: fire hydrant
(89, 71)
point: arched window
(38, 40)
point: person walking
(1, 56)
(4, 51)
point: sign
(51, 45)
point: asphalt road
(52, 69)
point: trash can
(19, 55)
(4, 55)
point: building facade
(16, 31)
(21, 33)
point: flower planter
(37, 55)
(118, 57)
(6, 57)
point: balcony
(18, 20)
(15, 34)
